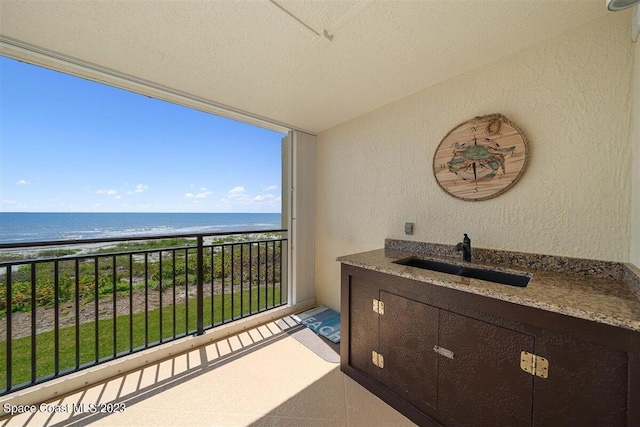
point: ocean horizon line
(17, 227)
(135, 212)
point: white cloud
(23, 182)
(266, 197)
(269, 188)
(238, 198)
(140, 188)
(203, 194)
(109, 192)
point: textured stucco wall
(635, 143)
(569, 94)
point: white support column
(302, 224)
(286, 214)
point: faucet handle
(465, 247)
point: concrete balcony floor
(263, 377)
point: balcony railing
(80, 303)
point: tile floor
(263, 377)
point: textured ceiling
(271, 58)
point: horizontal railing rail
(75, 304)
(23, 245)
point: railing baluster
(273, 273)
(250, 277)
(281, 290)
(146, 299)
(160, 295)
(115, 323)
(213, 286)
(9, 325)
(96, 312)
(223, 284)
(186, 291)
(259, 282)
(241, 280)
(233, 257)
(34, 329)
(130, 303)
(266, 275)
(77, 311)
(200, 288)
(56, 318)
(173, 258)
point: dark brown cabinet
(483, 383)
(441, 360)
(445, 357)
(411, 372)
(594, 376)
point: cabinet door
(483, 384)
(408, 333)
(587, 384)
(363, 325)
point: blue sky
(73, 145)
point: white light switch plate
(408, 228)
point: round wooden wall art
(480, 158)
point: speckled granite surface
(631, 276)
(524, 260)
(599, 291)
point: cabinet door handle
(443, 351)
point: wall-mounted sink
(519, 280)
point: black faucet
(465, 247)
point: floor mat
(321, 320)
(321, 346)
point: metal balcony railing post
(9, 345)
(200, 287)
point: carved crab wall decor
(481, 158)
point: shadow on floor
(309, 399)
(183, 367)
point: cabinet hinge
(377, 359)
(378, 306)
(534, 364)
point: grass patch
(56, 253)
(46, 253)
(146, 245)
(7, 256)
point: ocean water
(39, 227)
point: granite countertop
(600, 291)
